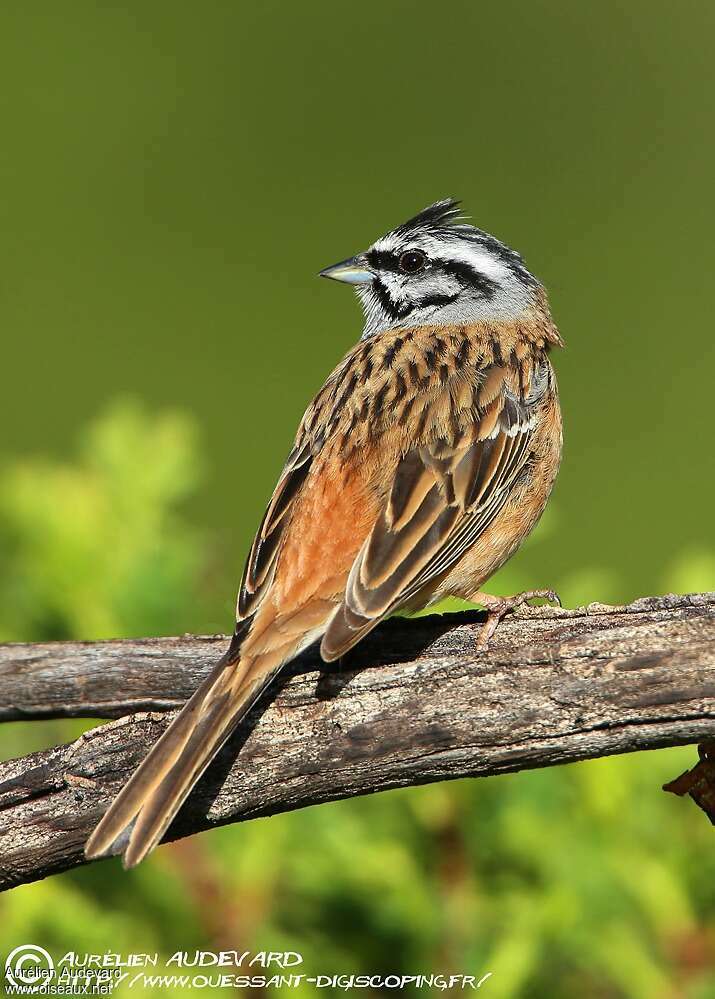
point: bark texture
(414, 703)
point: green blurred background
(173, 175)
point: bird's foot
(499, 607)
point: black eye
(412, 261)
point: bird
(417, 470)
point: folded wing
(445, 493)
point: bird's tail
(142, 811)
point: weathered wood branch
(414, 703)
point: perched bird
(417, 470)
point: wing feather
(262, 558)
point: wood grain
(414, 703)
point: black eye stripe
(384, 260)
(469, 275)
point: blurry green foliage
(583, 880)
(96, 548)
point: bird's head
(436, 269)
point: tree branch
(414, 703)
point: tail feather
(146, 805)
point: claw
(499, 607)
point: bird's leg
(499, 607)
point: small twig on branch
(416, 702)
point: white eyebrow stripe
(468, 252)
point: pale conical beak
(354, 270)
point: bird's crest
(441, 213)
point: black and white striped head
(436, 270)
